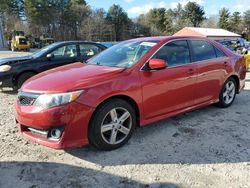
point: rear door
(170, 89)
(88, 51)
(211, 70)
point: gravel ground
(13, 54)
(209, 147)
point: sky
(137, 7)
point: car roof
(155, 38)
(165, 38)
(65, 42)
(75, 42)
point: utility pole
(2, 42)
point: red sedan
(133, 83)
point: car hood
(11, 60)
(69, 78)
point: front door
(61, 56)
(171, 89)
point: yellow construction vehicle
(18, 41)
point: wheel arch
(15, 77)
(237, 80)
(126, 98)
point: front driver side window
(175, 53)
(68, 51)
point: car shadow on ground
(45, 174)
(205, 136)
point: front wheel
(112, 125)
(228, 93)
(23, 77)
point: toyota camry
(132, 84)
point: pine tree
(224, 15)
(194, 14)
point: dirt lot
(13, 54)
(209, 147)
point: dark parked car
(16, 70)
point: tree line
(76, 20)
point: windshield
(22, 41)
(44, 50)
(124, 54)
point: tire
(23, 77)
(228, 93)
(120, 120)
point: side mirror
(50, 56)
(157, 64)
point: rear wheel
(23, 77)
(112, 125)
(228, 93)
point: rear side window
(175, 53)
(202, 50)
(89, 50)
(218, 52)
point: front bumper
(73, 117)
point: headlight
(5, 68)
(52, 100)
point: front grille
(27, 99)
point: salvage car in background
(131, 84)
(240, 46)
(15, 71)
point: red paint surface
(157, 94)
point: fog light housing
(56, 133)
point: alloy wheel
(116, 125)
(229, 92)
